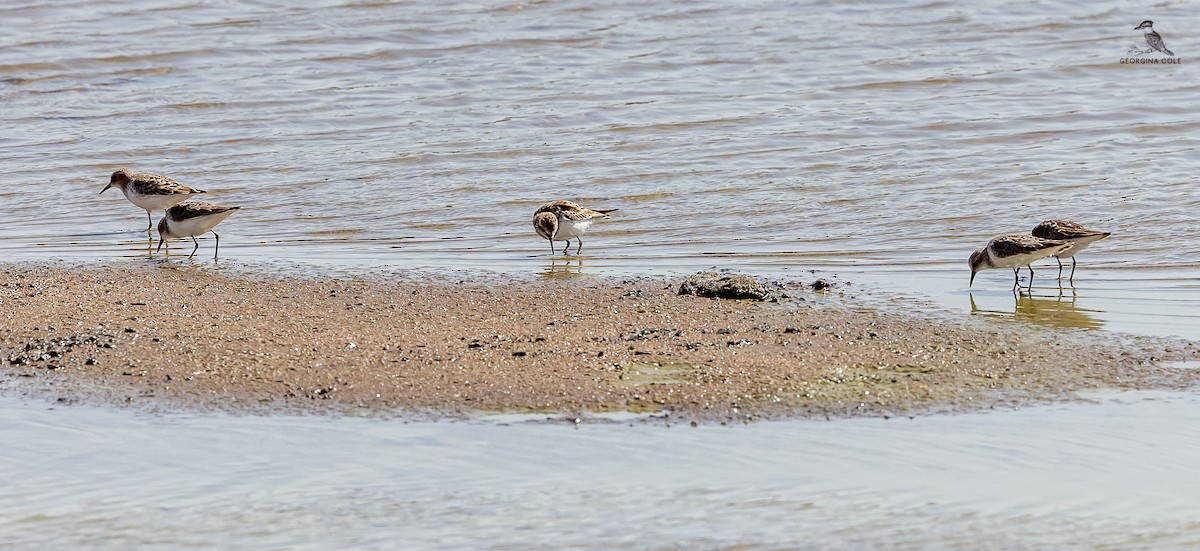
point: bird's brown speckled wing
(1019, 243)
(1062, 229)
(153, 184)
(571, 210)
(192, 209)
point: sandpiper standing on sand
(1153, 38)
(1065, 230)
(1014, 251)
(150, 191)
(191, 219)
(563, 220)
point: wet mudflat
(184, 338)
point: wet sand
(183, 338)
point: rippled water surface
(878, 142)
(774, 134)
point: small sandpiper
(563, 220)
(150, 191)
(1014, 251)
(1153, 38)
(1065, 230)
(189, 220)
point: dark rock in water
(821, 285)
(712, 284)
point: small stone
(712, 284)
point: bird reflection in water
(1056, 308)
(558, 266)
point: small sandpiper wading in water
(563, 220)
(189, 220)
(150, 191)
(1065, 230)
(1153, 38)
(1014, 251)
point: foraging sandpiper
(1014, 251)
(150, 191)
(1065, 230)
(191, 219)
(563, 220)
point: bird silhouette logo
(1154, 41)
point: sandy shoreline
(181, 338)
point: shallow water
(875, 143)
(880, 138)
(1112, 473)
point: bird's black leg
(194, 249)
(551, 246)
(1059, 267)
(149, 223)
(568, 246)
(218, 244)
(580, 248)
(1072, 278)
(1016, 277)
(1030, 277)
